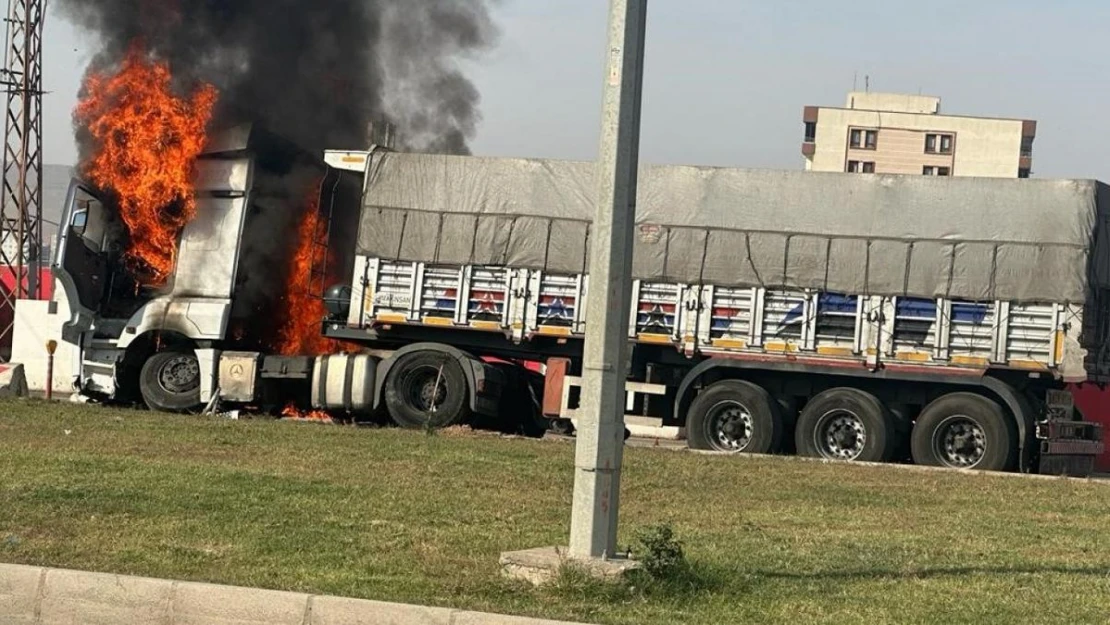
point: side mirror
(80, 220)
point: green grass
(403, 516)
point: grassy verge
(403, 516)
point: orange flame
(303, 311)
(147, 143)
(292, 412)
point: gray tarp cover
(965, 238)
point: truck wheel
(735, 416)
(427, 390)
(965, 431)
(170, 382)
(846, 424)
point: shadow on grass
(692, 580)
(699, 580)
(932, 573)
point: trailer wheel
(846, 424)
(965, 431)
(735, 416)
(170, 382)
(427, 390)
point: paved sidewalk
(41, 596)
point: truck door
(81, 264)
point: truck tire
(427, 390)
(737, 417)
(170, 382)
(965, 431)
(846, 424)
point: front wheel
(170, 382)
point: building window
(811, 132)
(936, 171)
(1027, 146)
(864, 139)
(1024, 172)
(938, 144)
(861, 167)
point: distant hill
(55, 186)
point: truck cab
(142, 342)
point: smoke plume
(316, 71)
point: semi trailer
(850, 317)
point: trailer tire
(846, 424)
(965, 431)
(737, 417)
(427, 390)
(170, 382)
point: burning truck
(867, 318)
(877, 318)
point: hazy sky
(727, 79)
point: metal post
(600, 445)
(51, 347)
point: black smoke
(316, 71)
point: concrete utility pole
(600, 445)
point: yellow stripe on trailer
(782, 348)
(827, 350)
(730, 343)
(1029, 365)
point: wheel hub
(731, 427)
(429, 389)
(841, 435)
(180, 374)
(961, 442)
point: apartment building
(890, 133)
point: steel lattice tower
(21, 201)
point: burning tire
(427, 390)
(170, 382)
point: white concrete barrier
(36, 323)
(41, 596)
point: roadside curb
(43, 596)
